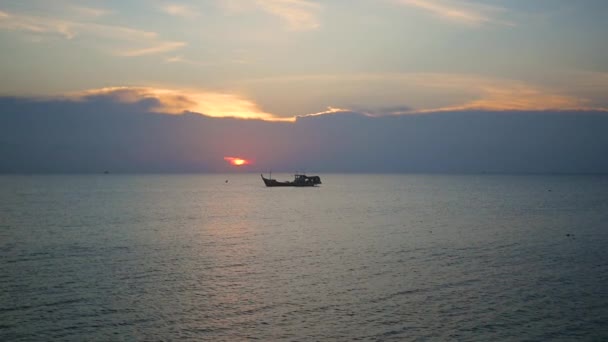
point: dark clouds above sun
(100, 133)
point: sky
(281, 61)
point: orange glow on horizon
(236, 161)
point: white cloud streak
(468, 13)
(90, 11)
(123, 41)
(153, 50)
(179, 10)
(300, 15)
(297, 15)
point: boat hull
(275, 183)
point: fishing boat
(299, 180)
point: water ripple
(399, 258)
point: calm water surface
(363, 257)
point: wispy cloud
(329, 110)
(180, 10)
(180, 59)
(300, 15)
(123, 41)
(89, 11)
(152, 50)
(456, 91)
(37, 25)
(468, 13)
(202, 63)
(518, 97)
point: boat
(300, 180)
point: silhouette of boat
(299, 180)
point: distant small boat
(299, 180)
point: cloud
(519, 97)
(502, 94)
(89, 11)
(468, 13)
(152, 50)
(178, 101)
(117, 40)
(180, 10)
(300, 15)
(330, 110)
(98, 132)
(408, 93)
(37, 25)
(197, 63)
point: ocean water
(362, 257)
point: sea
(220, 257)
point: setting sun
(236, 161)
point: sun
(236, 161)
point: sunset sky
(515, 86)
(277, 59)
